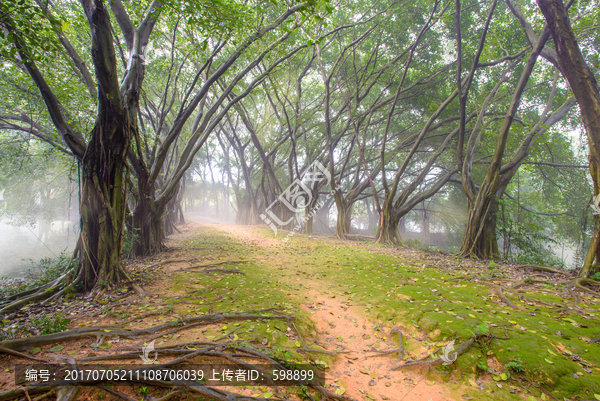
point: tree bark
(388, 232)
(479, 239)
(585, 89)
(103, 191)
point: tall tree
(102, 157)
(585, 88)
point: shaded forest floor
(532, 337)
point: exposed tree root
(39, 294)
(361, 237)
(225, 262)
(579, 284)
(574, 296)
(20, 392)
(108, 331)
(139, 290)
(170, 395)
(68, 393)
(504, 298)
(43, 396)
(21, 344)
(166, 262)
(399, 350)
(319, 351)
(537, 301)
(235, 352)
(116, 393)
(208, 271)
(20, 354)
(433, 362)
(541, 269)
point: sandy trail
(341, 328)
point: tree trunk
(344, 218)
(388, 232)
(585, 89)
(103, 205)
(480, 234)
(309, 212)
(321, 223)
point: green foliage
(527, 238)
(51, 324)
(26, 23)
(129, 239)
(42, 272)
(281, 354)
(302, 392)
(514, 366)
(144, 391)
(481, 329)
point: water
(20, 244)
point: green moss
(430, 304)
(425, 301)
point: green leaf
(57, 348)
(36, 350)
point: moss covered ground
(434, 299)
(346, 298)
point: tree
(102, 157)
(585, 88)
(104, 153)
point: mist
(20, 245)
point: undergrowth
(40, 273)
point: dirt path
(343, 329)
